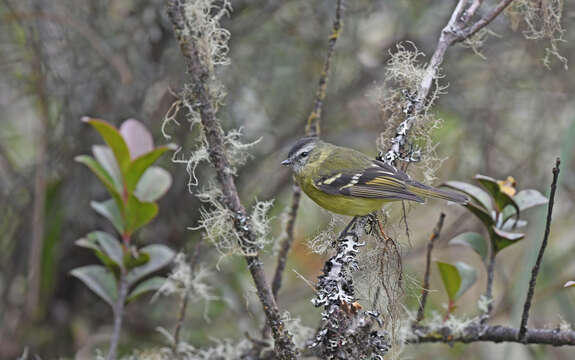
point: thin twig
(288, 240)
(484, 21)
(198, 73)
(434, 236)
(118, 315)
(312, 127)
(535, 270)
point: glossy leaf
(451, 279)
(151, 284)
(109, 209)
(475, 193)
(139, 213)
(512, 224)
(139, 166)
(100, 280)
(115, 141)
(468, 277)
(474, 240)
(105, 156)
(570, 283)
(160, 256)
(99, 171)
(135, 258)
(502, 239)
(153, 185)
(137, 138)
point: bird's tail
(428, 191)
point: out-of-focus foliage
(508, 113)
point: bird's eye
(304, 154)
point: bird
(348, 182)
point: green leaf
(141, 164)
(105, 156)
(482, 214)
(152, 284)
(135, 258)
(502, 239)
(160, 256)
(474, 240)
(99, 171)
(115, 141)
(109, 245)
(477, 194)
(100, 280)
(109, 209)
(153, 185)
(451, 279)
(529, 198)
(500, 197)
(468, 277)
(92, 244)
(570, 283)
(139, 213)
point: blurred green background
(503, 114)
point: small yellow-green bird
(348, 182)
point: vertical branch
(434, 236)
(535, 270)
(312, 129)
(39, 202)
(489, 287)
(199, 75)
(118, 315)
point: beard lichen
(540, 19)
(403, 75)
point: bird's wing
(379, 181)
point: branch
(489, 287)
(497, 334)
(432, 239)
(535, 270)
(455, 31)
(118, 314)
(199, 74)
(312, 127)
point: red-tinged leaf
(137, 137)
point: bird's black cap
(300, 144)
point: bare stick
(434, 236)
(199, 73)
(483, 22)
(312, 127)
(496, 334)
(288, 240)
(535, 270)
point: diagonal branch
(199, 74)
(455, 31)
(432, 239)
(535, 270)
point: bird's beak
(286, 162)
